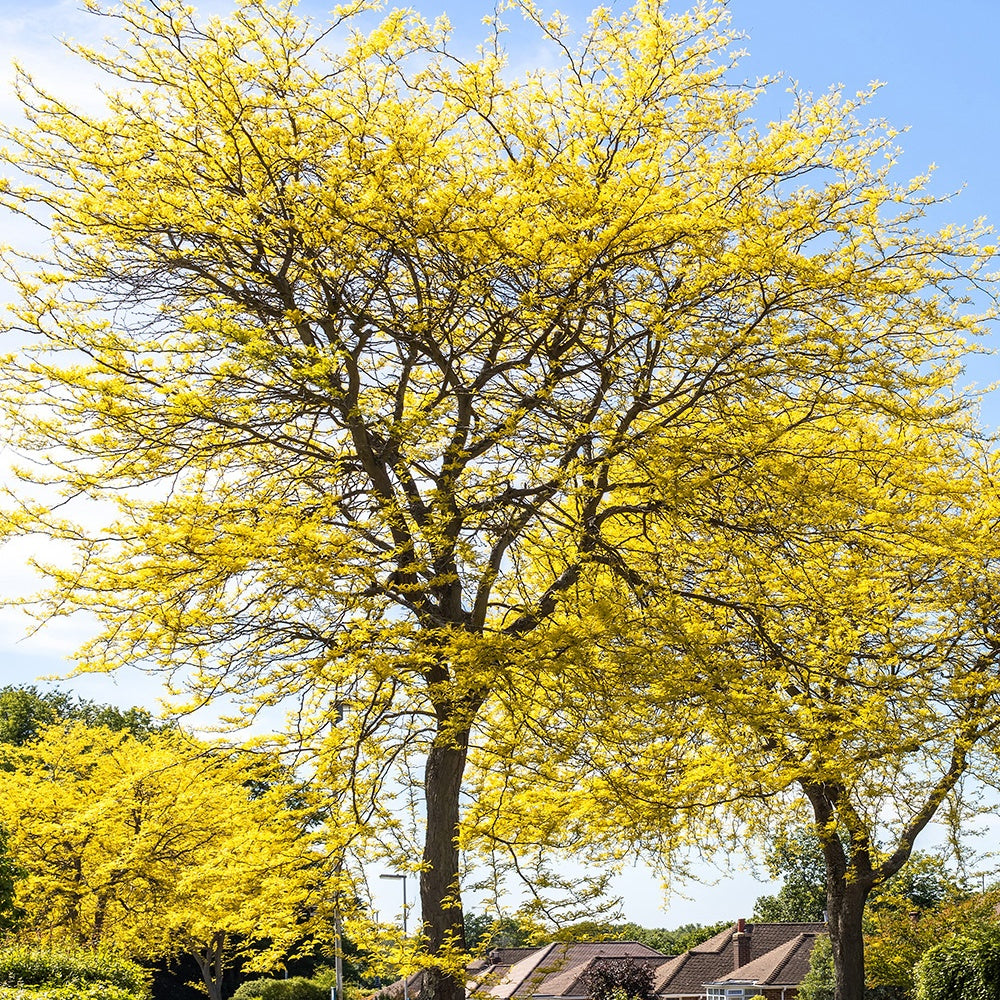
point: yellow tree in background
(816, 640)
(160, 846)
(365, 342)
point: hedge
(66, 975)
(962, 967)
(295, 988)
(71, 991)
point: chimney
(741, 945)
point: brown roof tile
(712, 960)
(767, 937)
(578, 987)
(785, 965)
(511, 971)
(779, 955)
(562, 969)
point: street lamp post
(338, 959)
(402, 878)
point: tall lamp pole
(402, 878)
(338, 958)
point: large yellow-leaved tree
(355, 329)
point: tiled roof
(512, 971)
(767, 937)
(687, 974)
(785, 965)
(510, 956)
(563, 967)
(778, 956)
(554, 970)
(713, 961)
(578, 986)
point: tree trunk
(100, 911)
(845, 910)
(440, 899)
(850, 877)
(211, 964)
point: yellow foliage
(811, 635)
(160, 846)
(386, 355)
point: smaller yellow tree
(160, 846)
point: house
(553, 971)
(743, 961)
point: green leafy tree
(669, 942)
(25, 710)
(820, 981)
(796, 858)
(592, 930)
(792, 904)
(484, 932)
(897, 937)
(964, 967)
(680, 939)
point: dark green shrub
(296, 988)
(27, 966)
(962, 967)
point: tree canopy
(159, 846)
(25, 711)
(825, 654)
(796, 857)
(386, 355)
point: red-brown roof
(713, 960)
(778, 955)
(785, 965)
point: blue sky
(939, 65)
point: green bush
(75, 991)
(326, 976)
(304, 989)
(962, 967)
(23, 966)
(252, 989)
(296, 988)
